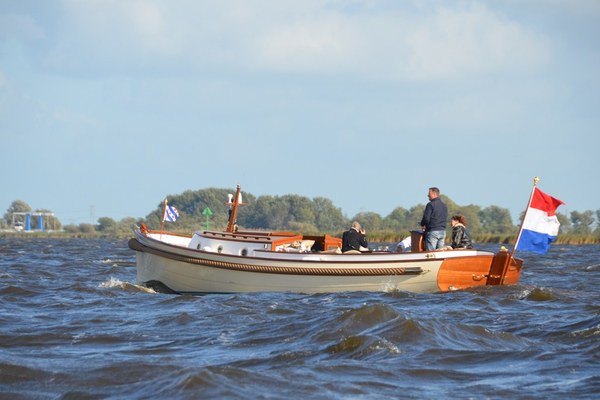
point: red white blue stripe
(541, 225)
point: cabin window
(198, 246)
(220, 249)
(244, 252)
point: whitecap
(119, 284)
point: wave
(78, 325)
(114, 283)
(128, 262)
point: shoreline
(383, 237)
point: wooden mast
(231, 226)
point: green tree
(125, 226)
(452, 206)
(495, 219)
(565, 223)
(299, 213)
(396, 220)
(370, 221)
(582, 222)
(301, 209)
(415, 214)
(268, 213)
(16, 206)
(71, 228)
(106, 225)
(86, 228)
(328, 218)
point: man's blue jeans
(434, 240)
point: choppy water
(74, 324)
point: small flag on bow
(171, 214)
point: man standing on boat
(354, 239)
(434, 220)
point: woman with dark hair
(461, 239)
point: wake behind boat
(257, 261)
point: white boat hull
(183, 277)
(165, 261)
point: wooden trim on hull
(463, 273)
(272, 269)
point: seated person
(354, 239)
(404, 245)
(461, 239)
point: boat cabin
(246, 242)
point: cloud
(459, 43)
(323, 44)
(443, 43)
(362, 39)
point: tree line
(293, 212)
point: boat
(243, 261)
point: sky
(109, 106)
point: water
(74, 324)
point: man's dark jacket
(353, 239)
(435, 215)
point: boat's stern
(483, 269)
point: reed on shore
(373, 237)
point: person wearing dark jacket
(461, 239)
(354, 239)
(434, 220)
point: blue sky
(106, 107)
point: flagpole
(510, 259)
(162, 224)
(535, 182)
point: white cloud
(323, 44)
(458, 43)
(148, 21)
(397, 42)
(444, 43)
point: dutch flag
(540, 226)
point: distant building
(21, 221)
